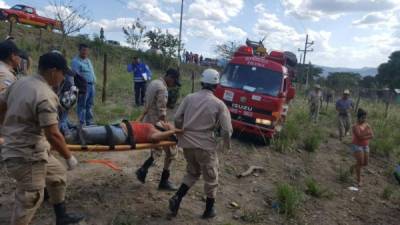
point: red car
(27, 15)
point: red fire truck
(257, 87)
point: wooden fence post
(40, 40)
(192, 81)
(358, 101)
(103, 96)
(10, 30)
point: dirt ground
(109, 197)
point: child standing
(362, 133)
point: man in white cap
(200, 115)
(344, 107)
(315, 102)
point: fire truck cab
(257, 86)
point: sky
(346, 33)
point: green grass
(388, 192)
(312, 140)
(344, 175)
(314, 189)
(289, 199)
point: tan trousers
(344, 124)
(314, 112)
(202, 162)
(170, 155)
(31, 179)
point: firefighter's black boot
(141, 173)
(165, 184)
(46, 195)
(210, 210)
(64, 218)
(175, 201)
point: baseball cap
(346, 92)
(173, 73)
(7, 48)
(53, 60)
(317, 86)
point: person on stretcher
(119, 134)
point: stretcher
(125, 136)
(120, 148)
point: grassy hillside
(119, 85)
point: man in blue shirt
(141, 74)
(344, 107)
(81, 64)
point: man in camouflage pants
(344, 107)
(155, 111)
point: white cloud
(234, 32)
(172, 1)
(4, 5)
(278, 35)
(114, 25)
(216, 10)
(371, 18)
(317, 9)
(150, 10)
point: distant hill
(365, 71)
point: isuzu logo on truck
(242, 107)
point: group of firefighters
(29, 111)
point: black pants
(140, 91)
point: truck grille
(242, 118)
(249, 120)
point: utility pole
(180, 36)
(306, 49)
(308, 73)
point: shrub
(289, 199)
(281, 144)
(312, 141)
(316, 190)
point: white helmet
(210, 76)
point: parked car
(24, 14)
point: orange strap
(107, 163)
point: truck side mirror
(291, 93)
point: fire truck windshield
(252, 79)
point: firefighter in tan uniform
(156, 110)
(9, 61)
(28, 112)
(200, 115)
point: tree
(164, 41)
(134, 33)
(369, 82)
(227, 49)
(314, 73)
(389, 72)
(72, 18)
(343, 80)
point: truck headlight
(263, 122)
